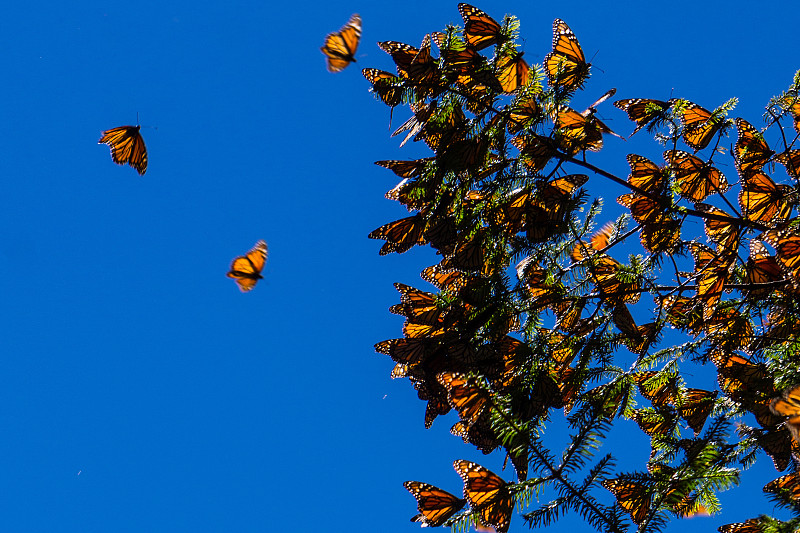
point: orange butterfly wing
(487, 494)
(246, 269)
(127, 146)
(566, 65)
(480, 29)
(340, 47)
(434, 504)
(698, 127)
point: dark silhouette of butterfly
(632, 496)
(487, 493)
(789, 405)
(386, 85)
(246, 269)
(434, 504)
(340, 46)
(127, 146)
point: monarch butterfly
(695, 406)
(480, 29)
(791, 160)
(643, 111)
(566, 65)
(246, 269)
(434, 504)
(645, 175)
(632, 496)
(787, 249)
(405, 169)
(723, 232)
(386, 85)
(535, 150)
(655, 424)
(127, 146)
(415, 64)
(656, 388)
(522, 112)
(402, 54)
(416, 305)
(465, 395)
(699, 126)
(762, 200)
(513, 72)
(340, 46)
(788, 485)
(405, 350)
(696, 179)
(789, 405)
(579, 132)
(712, 272)
(752, 525)
(761, 267)
(664, 236)
(778, 445)
(401, 235)
(751, 152)
(475, 434)
(487, 494)
(644, 209)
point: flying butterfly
(487, 494)
(643, 111)
(246, 269)
(340, 46)
(434, 504)
(127, 146)
(566, 65)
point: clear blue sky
(140, 391)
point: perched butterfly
(487, 494)
(401, 235)
(696, 179)
(788, 485)
(787, 249)
(434, 504)
(578, 132)
(751, 152)
(246, 269)
(513, 72)
(720, 228)
(789, 405)
(791, 160)
(761, 267)
(752, 525)
(632, 496)
(695, 407)
(655, 424)
(566, 65)
(712, 272)
(643, 111)
(646, 175)
(386, 85)
(762, 200)
(480, 29)
(340, 47)
(522, 112)
(127, 146)
(535, 150)
(699, 126)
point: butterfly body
(127, 146)
(246, 269)
(340, 46)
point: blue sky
(139, 389)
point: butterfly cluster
(534, 307)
